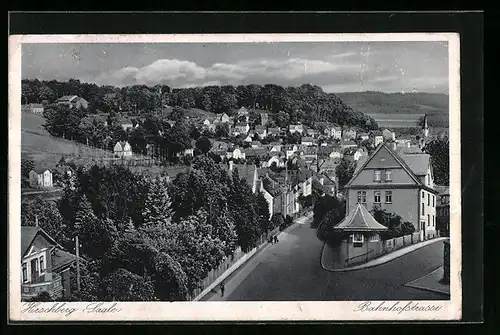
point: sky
(335, 66)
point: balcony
(49, 282)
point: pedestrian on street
(222, 288)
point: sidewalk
(431, 282)
(233, 277)
(327, 253)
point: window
(357, 239)
(428, 220)
(25, 272)
(388, 197)
(376, 175)
(423, 194)
(423, 208)
(374, 238)
(376, 198)
(428, 199)
(361, 197)
(433, 201)
(42, 264)
(388, 175)
(433, 221)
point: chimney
(36, 220)
(231, 164)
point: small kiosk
(360, 240)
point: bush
(42, 297)
(407, 228)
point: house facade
(261, 131)
(242, 128)
(296, 128)
(349, 134)
(273, 131)
(307, 141)
(40, 177)
(73, 101)
(334, 132)
(122, 149)
(361, 238)
(45, 265)
(33, 108)
(389, 135)
(402, 185)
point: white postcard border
(230, 311)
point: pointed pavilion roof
(358, 220)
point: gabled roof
(394, 155)
(270, 186)
(418, 163)
(28, 234)
(67, 98)
(359, 220)
(35, 105)
(41, 169)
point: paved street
(291, 270)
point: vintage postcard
(280, 177)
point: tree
(122, 285)
(27, 164)
(345, 171)
(48, 216)
(84, 216)
(244, 213)
(222, 130)
(438, 149)
(263, 212)
(329, 220)
(204, 145)
(393, 222)
(169, 279)
(323, 206)
(277, 220)
(97, 237)
(157, 205)
(177, 114)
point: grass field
(47, 150)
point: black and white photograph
(215, 173)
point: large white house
(122, 149)
(40, 177)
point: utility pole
(77, 248)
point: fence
(234, 261)
(391, 245)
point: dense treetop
(287, 105)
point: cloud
(160, 71)
(179, 73)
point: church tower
(425, 127)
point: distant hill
(47, 150)
(406, 108)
